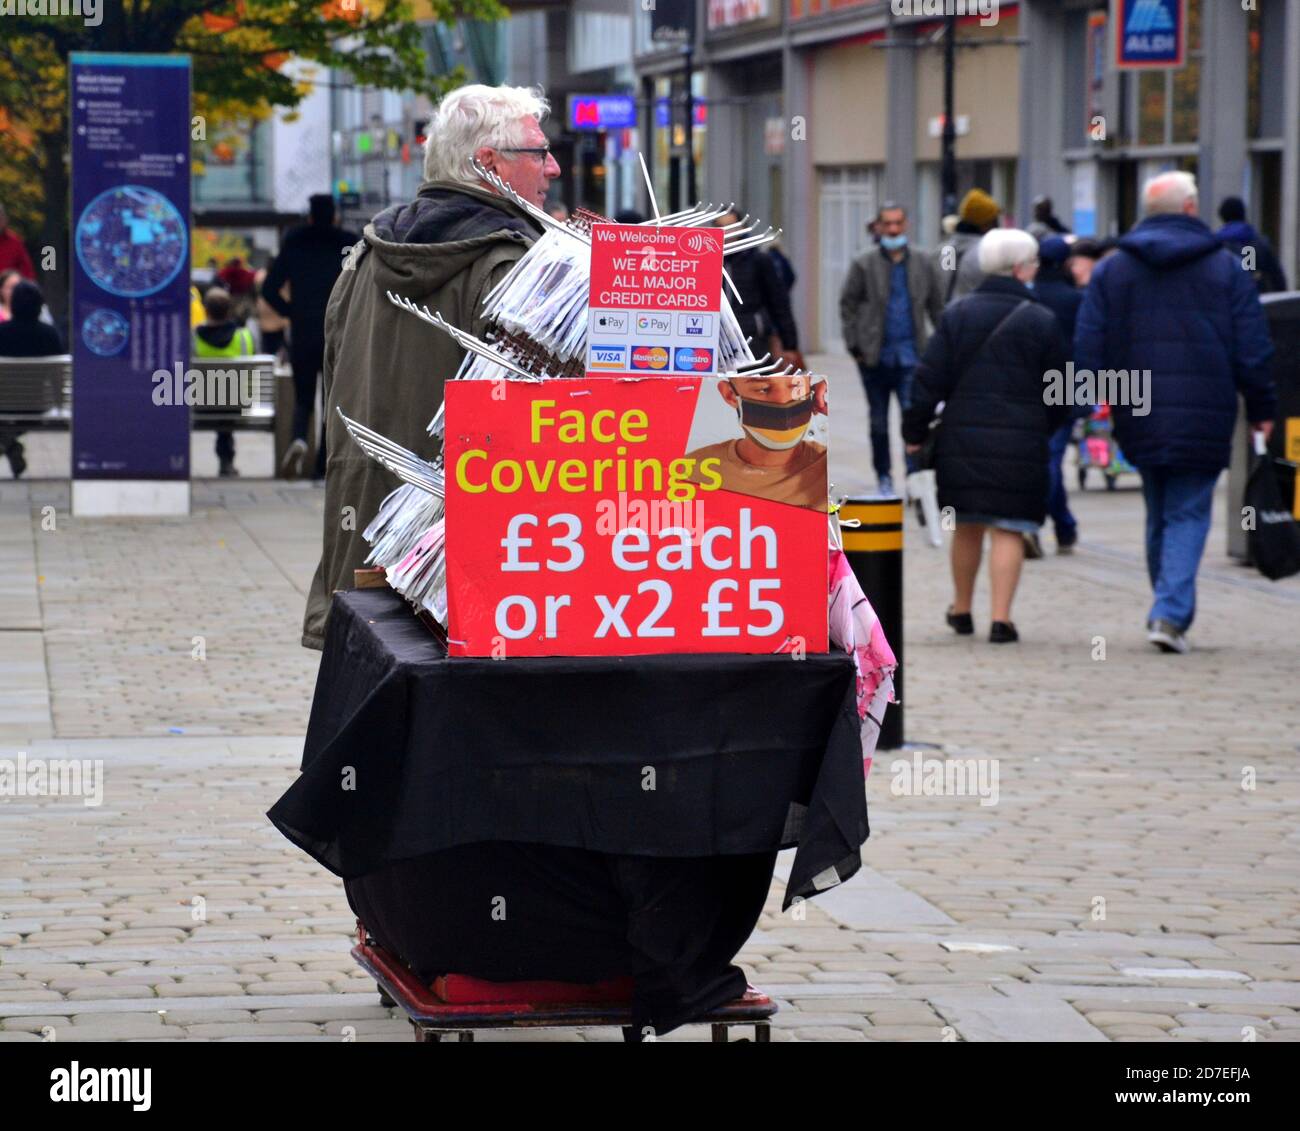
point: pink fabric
(855, 628)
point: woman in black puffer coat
(987, 364)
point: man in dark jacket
(1055, 289)
(25, 335)
(1253, 251)
(446, 249)
(1172, 310)
(310, 259)
(889, 293)
(764, 309)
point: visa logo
(608, 357)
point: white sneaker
(1168, 638)
(291, 465)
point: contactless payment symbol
(649, 357)
(688, 359)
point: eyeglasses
(542, 151)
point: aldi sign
(1150, 34)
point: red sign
(614, 517)
(655, 294)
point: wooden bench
(504, 1005)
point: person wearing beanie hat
(979, 213)
(978, 209)
(1241, 238)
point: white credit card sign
(655, 299)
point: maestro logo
(608, 357)
(649, 357)
(688, 359)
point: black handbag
(1274, 539)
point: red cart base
(459, 1004)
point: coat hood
(420, 246)
(1170, 241)
(1239, 232)
(218, 335)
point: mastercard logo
(649, 357)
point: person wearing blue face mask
(884, 304)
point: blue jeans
(1058, 502)
(1178, 521)
(880, 381)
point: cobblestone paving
(1136, 880)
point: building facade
(820, 110)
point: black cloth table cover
(410, 752)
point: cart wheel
(1083, 479)
(1110, 482)
(425, 1036)
(384, 1000)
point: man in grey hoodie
(446, 249)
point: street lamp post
(949, 170)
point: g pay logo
(654, 324)
(649, 357)
(688, 359)
(607, 357)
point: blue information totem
(130, 122)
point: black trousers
(507, 911)
(307, 359)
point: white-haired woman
(985, 369)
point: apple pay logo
(694, 325)
(609, 321)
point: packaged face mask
(776, 427)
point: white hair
(1168, 193)
(1004, 249)
(472, 117)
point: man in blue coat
(1180, 320)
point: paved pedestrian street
(1118, 861)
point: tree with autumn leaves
(237, 50)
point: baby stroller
(1097, 448)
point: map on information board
(131, 241)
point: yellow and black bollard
(874, 549)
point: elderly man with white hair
(1175, 318)
(986, 364)
(445, 249)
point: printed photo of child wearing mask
(773, 457)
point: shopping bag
(1274, 536)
